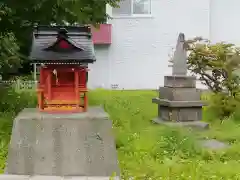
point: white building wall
(139, 53)
(225, 21)
(99, 74)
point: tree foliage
(18, 17)
(217, 65)
(9, 56)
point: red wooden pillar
(40, 90)
(85, 89)
(49, 84)
(41, 76)
(76, 77)
(84, 77)
(40, 99)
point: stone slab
(179, 94)
(193, 124)
(180, 57)
(178, 114)
(213, 144)
(26, 177)
(168, 103)
(180, 81)
(92, 113)
(80, 144)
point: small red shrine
(63, 54)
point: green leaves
(217, 65)
(9, 56)
(18, 17)
(214, 63)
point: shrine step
(40, 177)
(61, 103)
(63, 108)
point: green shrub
(13, 101)
(10, 59)
(222, 105)
(216, 65)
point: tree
(18, 17)
(217, 66)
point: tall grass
(148, 151)
(145, 150)
(11, 102)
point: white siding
(99, 74)
(138, 56)
(225, 21)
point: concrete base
(24, 177)
(79, 144)
(192, 124)
(180, 81)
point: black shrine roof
(62, 44)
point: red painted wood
(62, 89)
(41, 74)
(76, 88)
(103, 34)
(64, 45)
(49, 85)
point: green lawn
(148, 151)
(152, 151)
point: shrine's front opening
(63, 88)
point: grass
(148, 151)
(151, 151)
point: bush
(216, 65)
(12, 101)
(222, 105)
(10, 59)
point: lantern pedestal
(179, 103)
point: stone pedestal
(79, 144)
(179, 102)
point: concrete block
(179, 94)
(199, 125)
(39, 177)
(183, 104)
(180, 114)
(180, 81)
(80, 144)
